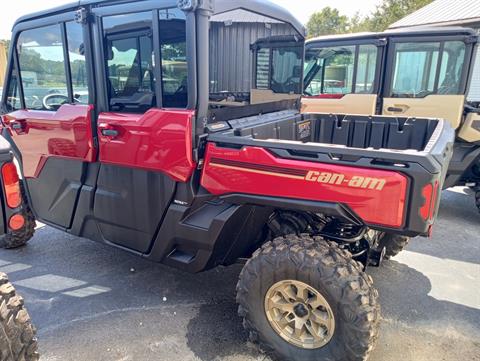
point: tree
(391, 11)
(325, 22)
(329, 21)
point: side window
(415, 68)
(418, 72)
(331, 71)
(453, 63)
(78, 65)
(366, 69)
(42, 68)
(173, 39)
(339, 65)
(129, 52)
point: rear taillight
(11, 184)
(430, 194)
(16, 222)
(434, 200)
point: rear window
(279, 69)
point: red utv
(190, 150)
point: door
(427, 78)
(341, 78)
(49, 118)
(145, 129)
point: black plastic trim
(337, 210)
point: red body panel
(40, 134)
(325, 96)
(254, 170)
(159, 140)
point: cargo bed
(386, 171)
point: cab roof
(417, 31)
(260, 7)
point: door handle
(395, 110)
(110, 133)
(108, 130)
(18, 125)
(398, 108)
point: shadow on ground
(104, 304)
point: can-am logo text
(340, 179)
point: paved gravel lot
(91, 302)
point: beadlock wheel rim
(299, 314)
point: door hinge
(95, 142)
(473, 39)
(381, 42)
(81, 16)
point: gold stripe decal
(334, 179)
(256, 171)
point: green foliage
(44, 73)
(329, 21)
(391, 11)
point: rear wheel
(393, 244)
(305, 299)
(17, 334)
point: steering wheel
(181, 89)
(47, 104)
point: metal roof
(422, 30)
(260, 7)
(443, 12)
(242, 16)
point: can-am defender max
(174, 132)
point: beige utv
(423, 72)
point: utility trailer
(145, 134)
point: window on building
(263, 68)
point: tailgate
(386, 189)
